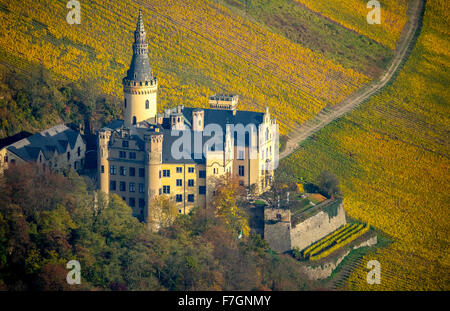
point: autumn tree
(228, 199)
(329, 184)
(162, 212)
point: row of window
(123, 186)
(166, 190)
(123, 155)
(132, 202)
(179, 198)
(141, 187)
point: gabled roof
(57, 138)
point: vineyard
(197, 48)
(307, 28)
(352, 14)
(392, 158)
(334, 241)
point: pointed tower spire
(140, 69)
(140, 24)
(140, 87)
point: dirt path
(327, 115)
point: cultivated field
(197, 48)
(392, 157)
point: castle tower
(139, 86)
(198, 119)
(103, 164)
(153, 160)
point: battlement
(223, 101)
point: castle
(149, 153)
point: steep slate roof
(53, 139)
(12, 139)
(224, 117)
(211, 116)
(140, 69)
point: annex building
(180, 151)
(56, 148)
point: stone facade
(316, 227)
(282, 236)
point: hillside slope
(352, 14)
(392, 155)
(197, 48)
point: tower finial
(140, 23)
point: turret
(153, 160)
(198, 118)
(103, 164)
(140, 86)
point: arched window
(147, 104)
(267, 134)
(125, 103)
(134, 120)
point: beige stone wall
(136, 96)
(316, 227)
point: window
(125, 103)
(134, 120)
(74, 165)
(215, 171)
(190, 198)
(241, 170)
(179, 182)
(147, 104)
(166, 173)
(141, 188)
(191, 170)
(141, 172)
(122, 154)
(125, 144)
(112, 170)
(125, 199)
(68, 156)
(132, 202)
(202, 174)
(112, 185)
(123, 171)
(202, 190)
(103, 169)
(132, 171)
(179, 198)
(241, 183)
(79, 151)
(160, 191)
(132, 187)
(123, 186)
(166, 189)
(190, 183)
(179, 169)
(141, 203)
(132, 155)
(241, 155)
(267, 134)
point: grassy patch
(311, 30)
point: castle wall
(316, 227)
